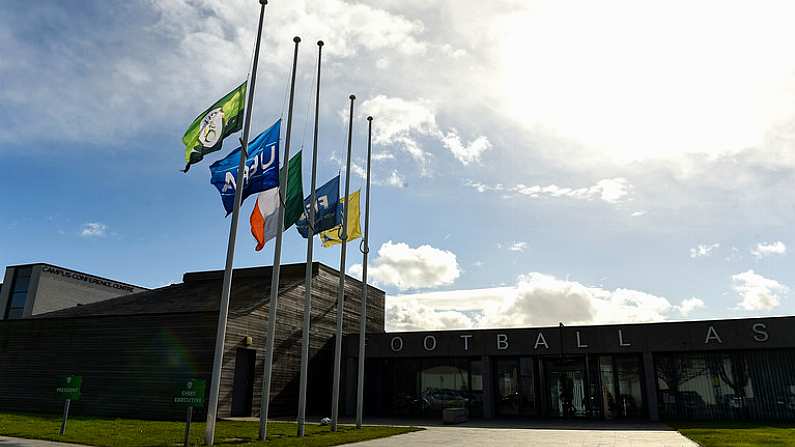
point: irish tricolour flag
(264, 218)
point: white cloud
(402, 123)
(764, 249)
(536, 299)
(482, 187)
(395, 179)
(518, 246)
(610, 190)
(638, 213)
(164, 38)
(757, 292)
(93, 229)
(468, 153)
(702, 250)
(406, 268)
(418, 318)
(689, 305)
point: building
(134, 351)
(722, 369)
(34, 289)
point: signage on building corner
(86, 278)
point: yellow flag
(331, 236)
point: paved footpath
(19, 442)
(505, 437)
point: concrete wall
(54, 288)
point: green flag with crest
(207, 132)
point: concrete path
(505, 437)
(19, 442)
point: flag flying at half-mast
(328, 213)
(207, 132)
(263, 220)
(259, 172)
(331, 237)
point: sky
(534, 162)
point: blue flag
(261, 170)
(328, 213)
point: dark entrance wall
(615, 370)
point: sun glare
(632, 81)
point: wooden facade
(133, 351)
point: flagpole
(335, 394)
(223, 310)
(363, 313)
(308, 274)
(277, 258)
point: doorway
(515, 387)
(243, 388)
(566, 387)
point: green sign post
(190, 394)
(69, 390)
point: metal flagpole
(365, 249)
(223, 310)
(335, 394)
(308, 277)
(277, 258)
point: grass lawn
(737, 434)
(137, 433)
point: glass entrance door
(621, 388)
(515, 387)
(566, 387)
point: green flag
(207, 132)
(294, 199)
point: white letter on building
(425, 343)
(760, 332)
(396, 344)
(466, 341)
(579, 342)
(540, 340)
(712, 335)
(621, 341)
(502, 342)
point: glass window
(608, 383)
(424, 387)
(630, 393)
(444, 384)
(726, 385)
(19, 294)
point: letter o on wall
(425, 343)
(396, 344)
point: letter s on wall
(760, 332)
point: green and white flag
(207, 132)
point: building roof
(199, 292)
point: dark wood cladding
(133, 351)
(131, 365)
(289, 333)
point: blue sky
(531, 166)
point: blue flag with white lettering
(328, 213)
(261, 171)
